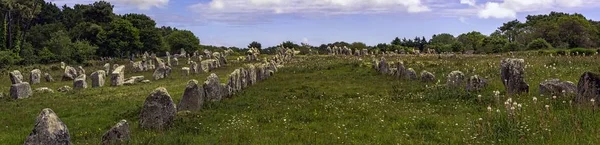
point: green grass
(332, 100)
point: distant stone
(133, 80)
(557, 87)
(16, 77)
(64, 89)
(114, 67)
(63, 65)
(20, 90)
(69, 74)
(79, 82)
(213, 88)
(48, 77)
(588, 88)
(175, 61)
(44, 90)
(35, 76)
(427, 76)
(117, 77)
(512, 72)
(158, 111)
(383, 66)
(475, 83)
(251, 77)
(185, 71)
(98, 78)
(48, 130)
(145, 81)
(455, 79)
(162, 71)
(193, 97)
(410, 74)
(194, 68)
(400, 70)
(80, 70)
(118, 134)
(107, 67)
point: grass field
(332, 100)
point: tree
(396, 41)
(152, 40)
(38, 34)
(100, 12)
(358, 45)
(120, 39)
(86, 31)
(471, 40)
(140, 21)
(538, 44)
(289, 44)
(50, 13)
(443, 38)
(255, 44)
(183, 39)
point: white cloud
(510, 8)
(139, 4)
(468, 2)
(252, 9)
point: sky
(270, 22)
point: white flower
(512, 108)
(519, 105)
(534, 99)
(489, 108)
(514, 104)
(593, 100)
(480, 119)
(547, 106)
(553, 97)
(478, 96)
(498, 110)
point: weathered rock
(251, 77)
(512, 72)
(158, 111)
(64, 89)
(427, 76)
(16, 77)
(410, 74)
(455, 79)
(79, 82)
(557, 87)
(20, 90)
(114, 67)
(185, 71)
(107, 67)
(213, 88)
(118, 134)
(475, 83)
(35, 76)
(137, 66)
(400, 70)
(117, 77)
(193, 97)
(162, 71)
(98, 78)
(145, 81)
(175, 61)
(48, 130)
(588, 88)
(48, 77)
(194, 67)
(44, 90)
(69, 74)
(63, 65)
(383, 66)
(133, 80)
(80, 70)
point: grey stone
(44, 90)
(16, 77)
(48, 130)
(158, 111)
(35, 76)
(427, 76)
(20, 90)
(69, 74)
(512, 72)
(475, 83)
(193, 97)
(117, 77)
(557, 87)
(80, 70)
(588, 88)
(48, 77)
(63, 65)
(185, 71)
(107, 67)
(410, 74)
(455, 79)
(212, 87)
(118, 134)
(162, 71)
(64, 89)
(98, 78)
(79, 82)
(383, 66)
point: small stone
(427, 76)
(44, 90)
(212, 87)
(69, 74)
(475, 83)
(64, 89)
(35, 76)
(48, 130)
(410, 74)
(20, 90)
(98, 78)
(117, 77)
(455, 79)
(185, 71)
(512, 73)
(118, 134)
(588, 88)
(555, 87)
(48, 77)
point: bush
(513, 46)
(538, 44)
(7, 58)
(580, 51)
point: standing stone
(213, 88)
(410, 74)
(158, 111)
(193, 97)
(20, 90)
(556, 87)
(69, 74)
(79, 82)
(455, 79)
(107, 67)
(251, 80)
(383, 66)
(63, 65)
(118, 134)
(48, 77)
(98, 78)
(117, 77)
(475, 83)
(185, 71)
(400, 70)
(588, 87)
(162, 71)
(512, 72)
(80, 70)
(16, 77)
(427, 76)
(175, 61)
(194, 67)
(35, 76)
(114, 67)
(48, 130)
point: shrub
(538, 44)
(7, 58)
(513, 46)
(581, 51)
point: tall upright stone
(410, 74)
(193, 97)
(512, 72)
(588, 88)
(16, 77)
(79, 82)
(48, 130)
(48, 77)
(35, 76)
(213, 88)
(383, 66)
(69, 74)
(117, 77)
(107, 67)
(98, 78)
(158, 111)
(21, 90)
(80, 70)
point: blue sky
(270, 22)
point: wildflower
(547, 106)
(512, 108)
(519, 105)
(478, 96)
(480, 119)
(593, 100)
(498, 110)
(514, 104)
(553, 97)
(489, 108)
(534, 99)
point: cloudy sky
(239, 22)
